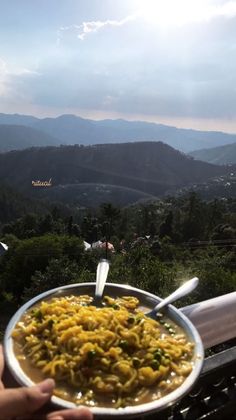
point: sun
(173, 12)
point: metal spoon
(101, 277)
(183, 290)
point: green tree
(194, 220)
(59, 272)
(34, 254)
(167, 226)
(109, 216)
(45, 224)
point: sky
(166, 61)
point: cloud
(93, 26)
(172, 13)
(3, 77)
(188, 71)
(24, 71)
(227, 10)
(12, 79)
(183, 12)
(209, 12)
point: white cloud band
(94, 26)
(185, 11)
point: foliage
(150, 167)
(59, 272)
(158, 246)
(31, 255)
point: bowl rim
(130, 411)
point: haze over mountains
(106, 161)
(70, 129)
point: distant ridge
(222, 155)
(17, 119)
(71, 129)
(15, 137)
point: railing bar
(215, 319)
(219, 361)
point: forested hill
(218, 155)
(14, 205)
(152, 167)
(16, 137)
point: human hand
(23, 403)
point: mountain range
(71, 129)
(81, 172)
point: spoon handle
(102, 271)
(183, 290)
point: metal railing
(214, 395)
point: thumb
(1, 367)
(23, 401)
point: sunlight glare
(173, 12)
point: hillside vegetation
(17, 137)
(157, 247)
(222, 155)
(151, 167)
(14, 204)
